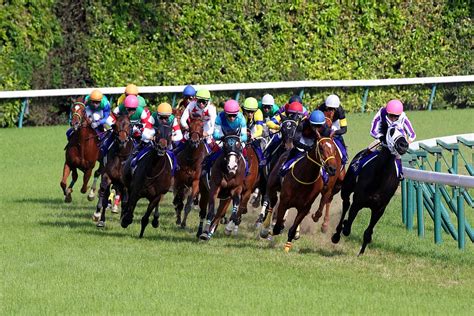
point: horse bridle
(82, 108)
(319, 157)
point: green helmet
(251, 104)
(203, 94)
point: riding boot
(293, 152)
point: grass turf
(55, 260)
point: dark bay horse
(300, 187)
(150, 178)
(250, 184)
(82, 150)
(373, 185)
(112, 171)
(186, 180)
(226, 181)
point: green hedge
(250, 41)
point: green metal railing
(435, 198)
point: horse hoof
(100, 224)
(297, 236)
(324, 228)
(68, 199)
(96, 216)
(178, 221)
(90, 197)
(229, 228)
(316, 217)
(115, 209)
(155, 223)
(183, 225)
(259, 221)
(335, 238)
(83, 190)
(346, 231)
(204, 236)
(264, 233)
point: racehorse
(287, 132)
(187, 177)
(226, 181)
(250, 184)
(305, 178)
(82, 150)
(113, 166)
(373, 183)
(150, 177)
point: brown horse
(250, 184)
(190, 164)
(151, 178)
(226, 181)
(82, 150)
(304, 177)
(112, 172)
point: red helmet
(295, 107)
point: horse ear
(318, 135)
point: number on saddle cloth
(357, 164)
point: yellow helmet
(164, 109)
(131, 89)
(96, 95)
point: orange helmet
(131, 89)
(96, 95)
(164, 109)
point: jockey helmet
(332, 101)
(189, 91)
(231, 107)
(131, 89)
(394, 107)
(203, 94)
(96, 96)
(295, 98)
(164, 109)
(295, 107)
(250, 104)
(131, 102)
(317, 118)
(268, 100)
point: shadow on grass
(322, 252)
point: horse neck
(308, 163)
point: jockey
(97, 110)
(140, 118)
(189, 94)
(201, 108)
(268, 107)
(339, 122)
(254, 118)
(308, 134)
(294, 98)
(229, 122)
(294, 110)
(131, 89)
(164, 116)
(391, 114)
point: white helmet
(332, 101)
(268, 99)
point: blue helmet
(295, 98)
(317, 118)
(189, 91)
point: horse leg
(156, 216)
(178, 203)
(129, 203)
(353, 211)
(91, 194)
(280, 214)
(190, 201)
(376, 214)
(325, 225)
(146, 217)
(66, 192)
(203, 201)
(345, 207)
(210, 212)
(221, 210)
(293, 229)
(87, 176)
(104, 191)
(233, 225)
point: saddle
(364, 160)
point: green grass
(54, 259)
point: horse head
(122, 128)
(78, 114)
(232, 152)
(162, 139)
(326, 151)
(396, 140)
(288, 128)
(196, 130)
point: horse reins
(320, 164)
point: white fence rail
(438, 177)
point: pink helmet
(394, 107)
(231, 107)
(131, 102)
